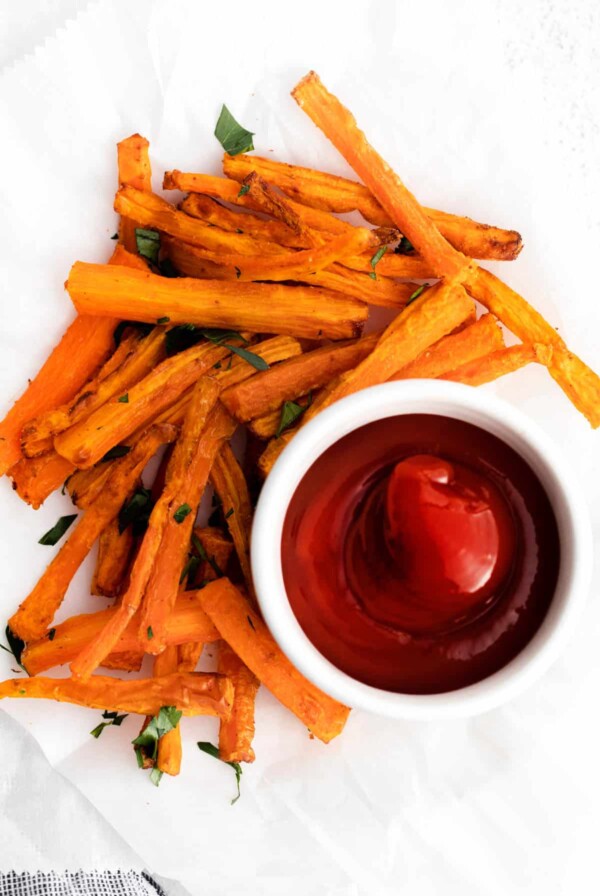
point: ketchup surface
(420, 554)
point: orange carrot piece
(338, 194)
(34, 479)
(206, 427)
(112, 564)
(168, 759)
(267, 426)
(37, 610)
(187, 621)
(496, 364)
(134, 170)
(408, 267)
(231, 487)
(194, 693)
(213, 212)
(237, 732)
(287, 381)
(245, 632)
(309, 312)
(475, 341)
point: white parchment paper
(487, 109)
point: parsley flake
(231, 135)
(182, 511)
(54, 535)
(213, 751)
(148, 244)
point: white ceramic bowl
(462, 403)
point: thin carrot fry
(134, 170)
(309, 312)
(37, 610)
(475, 341)
(496, 364)
(245, 632)
(168, 759)
(287, 381)
(338, 194)
(206, 428)
(187, 621)
(229, 191)
(230, 485)
(237, 732)
(578, 381)
(112, 563)
(194, 693)
(408, 267)
(213, 212)
(133, 359)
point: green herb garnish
(147, 742)
(190, 569)
(229, 513)
(15, 646)
(124, 399)
(163, 320)
(232, 136)
(149, 633)
(245, 188)
(219, 337)
(213, 751)
(416, 294)
(182, 511)
(53, 535)
(378, 256)
(148, 244)
(113, 719)
(290, 412)
(136, 512)
(404, 247)
(115, 236)
(115, 452)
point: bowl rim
(463, 403)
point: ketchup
(420, 554)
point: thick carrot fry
(187, 621)
(37, 610)
(496, 364)
(475, 341)
(194, 693)
(337, 194)
(112, 563)
(245, 632)
(134, 170)
(230, 485)
(578, 381)
(208, 209)
(309, 312)
(206, 430)
(229, 191)
(237, 732)
(267, 426)
(133, 359)
(36, 478)
(287, 381)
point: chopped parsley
(136, 512)
(148, 244)
(290, 412)
(182, 511)
(53, 535)
(231, 135)
(213, 751)
(115, 452)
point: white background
(485, 108)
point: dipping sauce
(420, 554)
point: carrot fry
(266, 427)
(237, 732)
(230, 485)
(112, 564)
(194, 693)
(337, 194)
(309, 312)
(205, 429)
(245, 632)
(133, 359)
(229, 191)
(496, 364)
(217, 549)
(213, 212)
(475, 341)
(168, 758)
(408, 267)
(124, 662)
(134, 170)
(36, 478)
(187, 621)
(578, 381)
(37, 610)
(287, 381)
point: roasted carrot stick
(134, 358)
(168, 758)
(134, 170)
(37, 610)
(194, 693)
(187, 621)
(213, 212)
(408, 267)
(34, 479)
(337, 194)
(237, 732)
(229, 191)
(267, 426)
(231, 487)
(245, 632)
(205, 427)
(475, 341)
(578, 381)
(496, 364)
(258, 307)
(287, 381)
(114, 555)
